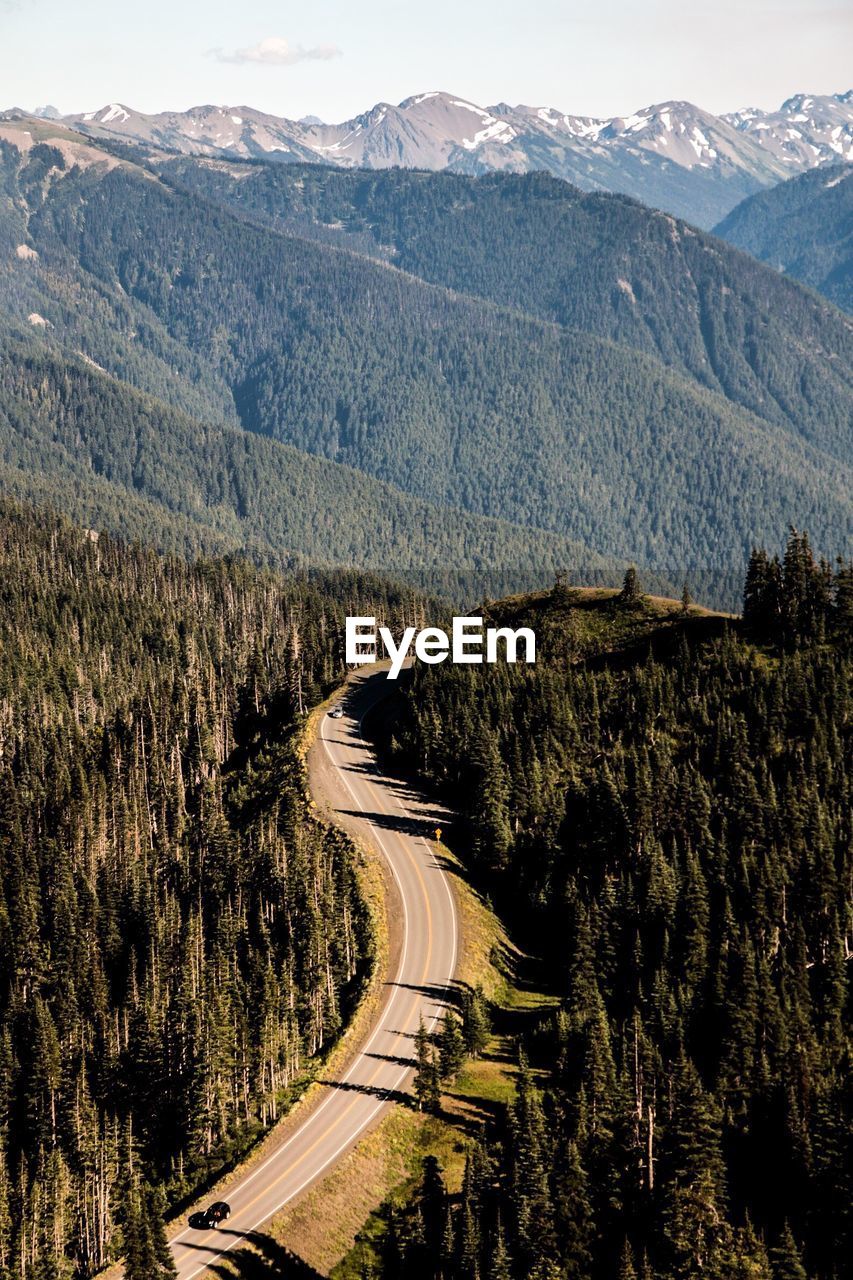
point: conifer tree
(451, 1045)
(748, 1259)
(785, 1258)
(693, 1212)
(627, 1270)
(574, 1224)
(492, 835)
(476, 1027)
(842, 612)
(427, 1082)
(530, 1162)
(630, 593)
(155, 1207)
(499, 1266)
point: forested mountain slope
(603, 264)
(115, 458)
(662, 810)
(455, 399)
(60, 298)
(803, 227)
(177, 935)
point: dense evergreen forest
(662, 808)
(680, 449)
(178, 936)
(803, 227)
(491, 374)
(112, 457)
(601, 263)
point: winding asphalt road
(389, 818)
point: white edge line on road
(383, 1100)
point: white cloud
(275, 51)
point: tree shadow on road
(404, 824)
(370, 1091)
(262, 1258)
(467, 1116)
(393, 1057)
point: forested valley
(601, 263)
(179, 936)
(211, 360)
(662, 809)
(112, 457)
(643, 393)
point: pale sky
(334, 58)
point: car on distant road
(215, 1213)
(336, 713)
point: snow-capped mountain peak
(109, 114)
(807, 130)
(648, 153)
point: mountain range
(497, 371)
(673, 155)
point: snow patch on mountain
(115, 111)
(645, 153)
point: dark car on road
(215, 1213)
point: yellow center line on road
(327, 1133)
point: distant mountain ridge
(672, 155)
(803, 227)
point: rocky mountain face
(804, 132)
(673, 155)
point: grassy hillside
(803, 227)
(584, 624)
